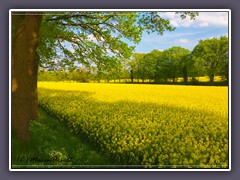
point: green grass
(54, 146)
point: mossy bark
(25, 39)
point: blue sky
(187, 33)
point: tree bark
(131, 74)
(185, 76)
(35, 113)
(173, 79)
(211, 76)
(24, 72)
(155, 78)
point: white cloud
(204, 19)
(71, 49)
(94, 39)
(175, 34)
(183, 40)
(91, 38)
(213, 18)
(204, 24)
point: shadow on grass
(54, 146)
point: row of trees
(160, 65)
(208, 58)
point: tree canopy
(212, 56)
(95, 37)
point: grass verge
(52, 145)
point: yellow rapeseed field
(162, 126)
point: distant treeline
(83, 76)
(174, 65)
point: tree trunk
(185, 76)
(165, 79)
(131, 72)
(24, 73)
(155, 78)
(211, 76)
(35, 113)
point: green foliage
(212, 56)
(186, 13)
(94, 37)
(136, 69)
(174, 60)
(98, 39)
(161, 65)
(78, 75)
(150, 61)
